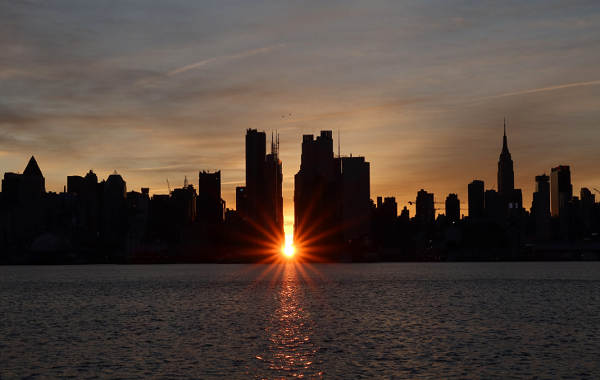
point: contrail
(545, 89)
(222, 58)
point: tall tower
(452, 208)
(209, 206)
(506, 174)
(561, 189)
(476, 200)
(355, 197)
(256, 146)
(273, 181)
(540, 208)
(264, 202)
(317, 198)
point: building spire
(504, 142)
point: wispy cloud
(546, 89)
(219, 59)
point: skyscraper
(316, 193)
(540, 208)
(356, 197)
(240, 201)
(506, 174)
(332, 200)
(452, 208)
(273, 182)
(561, 195)
(23, 186)
(256, 143)
(476, 200)
(209, 204)
(425, 209)
(264, 180)
(561, 188)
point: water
(346, 321)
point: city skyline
(420, 90)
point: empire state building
(506, 174)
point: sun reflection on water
(291, 351)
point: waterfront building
(425, 206)
(476, 200)
(506, 174)
(452, 208)
(540, 209)
(209, 205)
(264, 181)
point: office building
(356, 197)
(264, 181)
(506, 174)
(425, 207)
(561, 189)
(209, 205)
(476, 200)
(452, 208)
(540, 209)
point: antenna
(185, 182)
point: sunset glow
(288, 248)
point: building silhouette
(561, 194)
(494, 205)
(264, 181)
(476, 200)
(256, 143)
(452, 208)
(384, 221)
(22, 186)
(506, 174)
(209, 205)
(316, 194)
(356, 197)
(113, 225)
(540, 209)
(241, 201)
(24, 196)
(588, 203)
(87, 195)
(273, 186)
(425, 206)
(332, 202)
(561, 189)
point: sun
(288, 249)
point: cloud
(220, 59)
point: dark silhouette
(331, 201)
(96, 221)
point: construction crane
(596, 190)
(169, 186)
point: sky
(161, 90)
